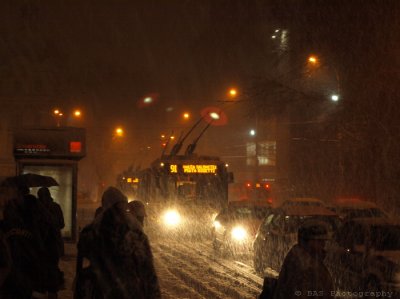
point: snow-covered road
(189, 269)
(186, 268)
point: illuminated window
(264, 152)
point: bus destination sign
(193, 168)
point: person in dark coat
(53, 219)
(137, 209)
(5, 260)
(119, 253)
(56, 214)
(24, 233)
(303, 274)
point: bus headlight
(172, 218)
(217, 225)
(239, 233)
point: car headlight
(217, 225)
(172, 218)
(239, 233)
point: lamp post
(77, 113)
(315, 63)
(58, 116)
(232, 92)
(329, 72)
(119, 132)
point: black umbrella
(31, 180)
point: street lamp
(58, 115)
(148, 100)
(119, 132)
(233, 92)
(252, 132)
(77, 113)
(314, 62)
(335, 97)
(214, 115)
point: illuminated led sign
(132, 180)
(31, 148)
(75, 146)
(193, 168)
(48, 143)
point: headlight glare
(172, 218)
(217, 225)
(239, 233)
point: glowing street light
(233, 92)
(119, 132)
(186, 115)
(58, 115)
(252, 132)
(148, 100)
(335, 97)
(77, 113)
(214, 115)
(312, 59)
(314, 64)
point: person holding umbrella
(28, 229)
(23, 233)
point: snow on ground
(188, 269)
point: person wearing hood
(138, 211)
(303, 274)
(119, 253)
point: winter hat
(111, 197)
(313, 231)
(137, 207)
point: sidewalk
(68, 264)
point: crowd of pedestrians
(31, 244)
(118, 252)
(119, 261)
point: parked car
(365, 256)
(235, 227)
(278, 233)
(303, 201)
(354, 208)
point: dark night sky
(109, 54)
(180, 47)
